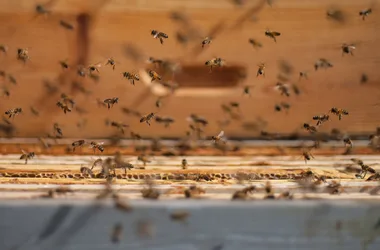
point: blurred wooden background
(103, 28)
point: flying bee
(67, 99)
(66, 25)
(131, 77)
(119, 126)
(260, 70)
(336, 15)
(159, 35)
(97, 145)
(135, 136)
(147, 118)
(184, 164)
(206, 41)
(310, 128)
(64, 64)
(348, 48)
(272, 34)
(111, 62)
(26, 156)
(165, 120)
(13, 112)
(81, 71)
(321, 119)
(347, 142)
(215, 62)
(144, 159)
(197, 119)
(23, 55)
(78, 143)
(111, 101)
(3, 48)
(322, 63)
(307, 156)
(303, 74)
(219, 138)
(94, 67)
(154, 75)
(284, 90)
(57, 130)
(63, 106)
(256, 44)
(5, 91)
(116, 233)
(34, 111)
(365, 13)
(12, 79)
(338, 112)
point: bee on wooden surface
(131, 77)
(64, 64)
(77, 144)
(269, 191)
(116, 233)
(23, 55)
(215, 62)
(111, 62)
(322, 63)
(159, 35)
(256, 44)
(63, 106)
(111, 101)
(194, 192)
(243, 194)
(144, 159)
(97, 145)
(348, 48)
(154, 75)
(260, 70)
(87, 172)
(165, 120)
(307, 156)
(365, 13)
(321, 119)
(219, 138)
(310, 128)
(119, 125)
(3, 48)
(364, 168)
(146, 118)
(26, 156)
(347, 142)
(272, 34)
(13, 112)
(339, 112)
(283, 88)
(206, 41)
(66, 25)
(184, 164)
(180, 216)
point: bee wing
(221, 134)
(23, 151)
(100, 143)
(276, 33)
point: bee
(194, 192)
(135, 136)
(154, 75)
(339, 112)
(334, 187)
(64, 107)
(131, 77)
(269, 191)
(23, 55)
(67, 99)
(26, 156)
(144, 159)
(13, 112)
(256, 44)
(182, 38)
(365, 168)
(3, 48)
(217, 61)
(165, 120)
(154, 61)
(206, 41)
(40, 9)
(116, 233)
(111, 62)
(247, 91)
(322, 63)
(57, 130)
(303, 74)
(365, 13)
(260, 70)
(219, 138)
(336, 15)
(272, 34)
(66, 25)
(310, 128)
(347, 142)
(12, 79)
(147, 118)
(184, 164)
(111, 101)
(150, 192)
(5, 91)
(307, 156)
(348, 48)
(321, 119)
(198, 120)
(284, 90)
(160, 35)
(179, 216)
(64, 64)
(243, 193)
(78, 143)
(94, 67)
(119, 126)
(97, 145)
